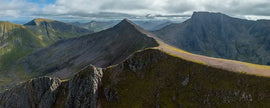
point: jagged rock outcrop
(81, 91)
(36, 93)
(83, 88)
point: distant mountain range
(152, 25)
(221, 36)
(51, 31)
(97, 26)
(126, 66)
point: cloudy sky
(133, 9)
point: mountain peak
(200, 15)
(125, 23)
(120, 41)
(126, 20)
(207, 13)
(38, 21)
(42, 19)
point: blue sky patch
(42, 3)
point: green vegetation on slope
(50, 31)
(149, 78)
(16, 42)
(152, 78)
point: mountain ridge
(144, 80)
(37, 21)
(101, 49)
(96, 26)
(17, 41)
(221, 36)
(51, 31)
(149, 73)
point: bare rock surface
(46, 92)
(39, 92)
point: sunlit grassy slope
(16, 42)
(231, 65)
(159, 78)
(50, 31)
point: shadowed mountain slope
(102, 49)
(17, 41)
(152, 25)
(50, 31)
(221, 36)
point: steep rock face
(83, 88)
(79, 92)
(152, 78)
(218, 35)
(50, 31)
(39, 92)
(102, 49)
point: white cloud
(95, 6)
(135, 8)
(16, 8)
(255, 17)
